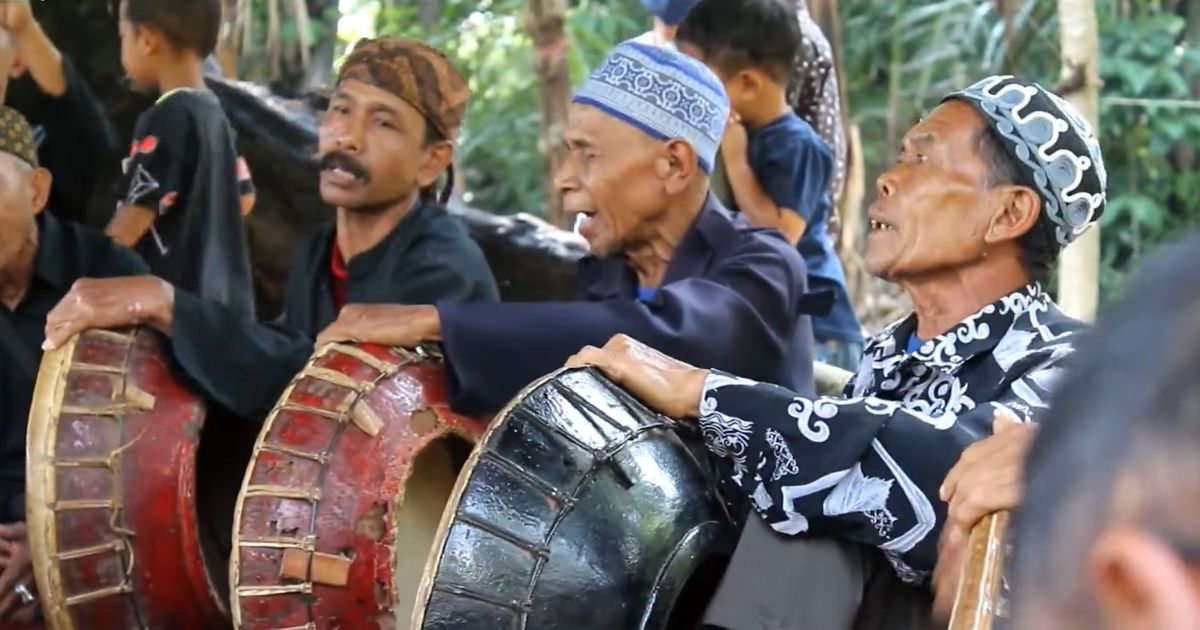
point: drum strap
(10, 343)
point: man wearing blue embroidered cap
(855, 495)
(669, 266)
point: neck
(765, 110)
(16, 273)
(186, 70)
(651, 256)
(944, 300)
(359, 231)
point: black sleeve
(241, 364)
(161, 157)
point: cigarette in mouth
(579, 220)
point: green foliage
(488, 42)
(1154, 187)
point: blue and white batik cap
(1052, 142)
(662, 92)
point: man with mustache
(987, 191)
(669, 265)
(385, 141)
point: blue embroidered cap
(662, 92)
(1052, 142)
(671, 12)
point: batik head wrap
(419, 75)
(662, 92)
(1052, 143)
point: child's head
(154, 31)
(751, 44)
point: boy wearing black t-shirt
(777, 166)
(184, 189)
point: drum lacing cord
(124, 534)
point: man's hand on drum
(666, 385)
(18, 603)
(384, 324)
(110, 303)
(986, 479)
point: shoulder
(443, 238)
(735, 239)
(180, 108)
(791, 132)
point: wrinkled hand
(16, 16)
(986, 479)
(17, 569)
(735, 141)
(110, 303)
(384, 324)
(666, 385)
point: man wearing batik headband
(669, 265)
(384, 143)
(987, 191)
(40, 258)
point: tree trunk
(430, 10)
(1079, 266)
(545, 21)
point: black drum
(578, 509)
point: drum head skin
(350, 476)
(111, 485)
(579, 509)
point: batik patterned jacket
(866, 467)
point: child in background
(185, 189)
(667, 16)
(775, 163)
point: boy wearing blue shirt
(776, 165)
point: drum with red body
(115, 470)
(345, 491)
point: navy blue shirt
(793, 166)
(732, 298)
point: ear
(1141, 583)
(148, 39)
(40, 182)
(1016, 213)
(678, 166)
(438, 157)
(749, 82)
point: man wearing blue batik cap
(669, 266)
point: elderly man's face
(613, 174)
(373, 149)
(933, 206)
(23, 193)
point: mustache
(343, 160)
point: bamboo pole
(1079, 265)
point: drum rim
(404, 357)
(433, 561)
(40, 481)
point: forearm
(129, 224)
(44, 61)
(751, 199)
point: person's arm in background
(35, 52)
(754, 201)
(155, 172)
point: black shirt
(244, 366)
(76, 142)
(184, 164)
(66, 252)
